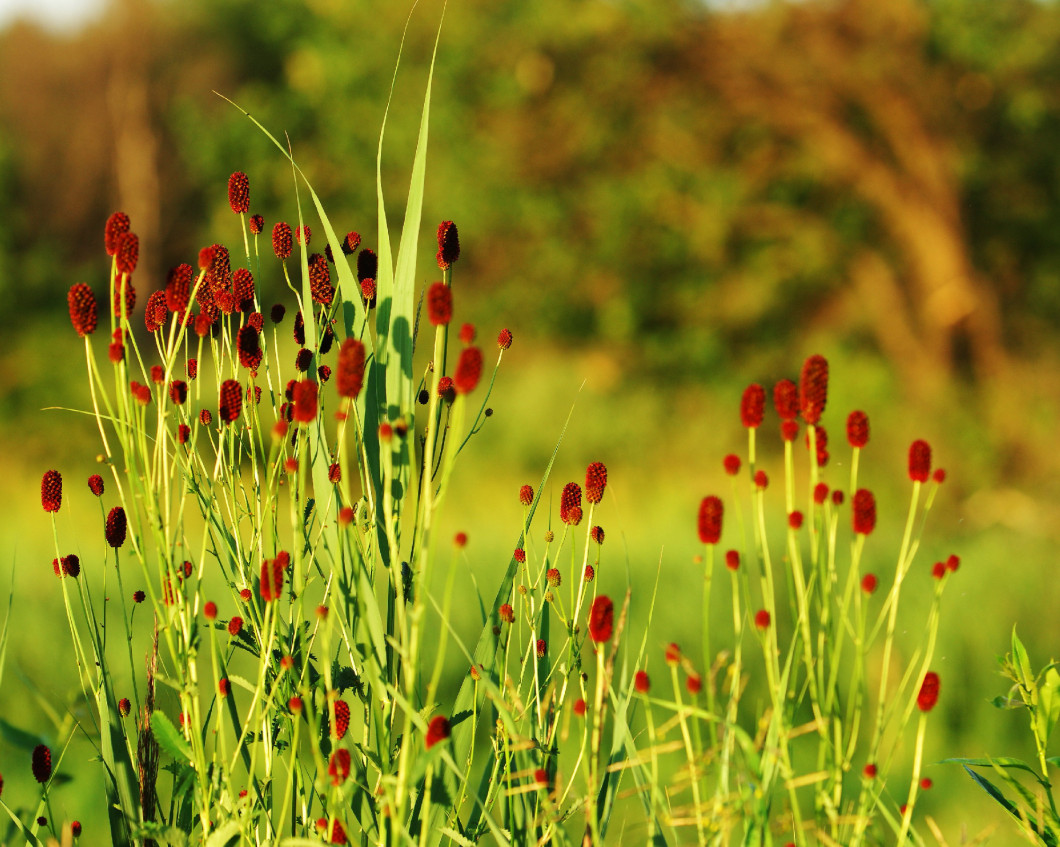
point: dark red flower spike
(156, 311)
(178, 287)
(83, 313)
(350, 243)
(526, 495)
(282, 240)
(919, 461)
(864, 512)
(786, 400)
(257, 224)
(570, 504)
(467, 333)
(339, 766)
(437, 730)
(929, 692)
(231, 401)
(116, 527)
(446, 390)
(117, 224)
(448, 244)
(367, 265)
(239, 193)
(299, 329)
(753, 406)
(271, 580)
(42, 763)
(320, 280)
(248, 343)
(732, 464)
(368, 292)
(305, 401)
(601, 619)
(350, 377)
(858, 429)
(468, 370)
(710, 517)
(342, 719)
(504, 339)
(51, 491)
(124, 286)
(439, 304)
(95, 484)
(813, 389)
(641, 682)
(869, 582)
(595, 482)
(243, 289)
(128, 253)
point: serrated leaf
(169, 739)
(456, 837)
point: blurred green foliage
(668, 199)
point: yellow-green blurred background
(664, 201)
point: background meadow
(664, 201)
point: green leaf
(1021, 663)
(19, 737)
(221, 836)
(1000, 702)
(1049, 702)
(169, 739)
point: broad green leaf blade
(222, 835)
(169, 739)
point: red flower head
(732, 560)
(864, 512)
(869, 771)
(223, 687)
(209, 610)
(673, 655)
(820, 435)
(641, 682)
(192, 368)
(116, 527)
(128, 253)
(929, 692)
(95, 484)
(156, 311)
(368, 291)
(762, 619)
(342, 719)
(271, 580)
(448, 244)
(732, 464)
(367, 265)
(795, 520)
(42, 763)
(339, 766)
(570, 504)
(460, 540)
(753, 406)
(231, 403)
(282, 242)
(597, 534)
(334, 473)
(125, 286)
(437, 730)
(117, 224)
(350, 378)
(320, 280)
(243, 289)
(82, 304)
(553, 577)
(520, 555)
(595, 482)
(446, 390)
(468, 370)
(235, 625)
(694, 684)
(786, 400)
(139, 596)
(204, 323)
(579, 707)
(205, 418)
(919, 461)
(601, 619)
(820, 493)
(710, 514)
(506, 613)
(761, 480)
(858, 429)
(953, 562)
(789, 430)
(526, 495)
(351, 242)
(124, 707)
(504, 339)
(51, 491)
(467, 333)
(869, 583)
(303, 234)
(248, 343)
(439, 304)
(302, 360)
(239, 193)
(178, 287)
(541, 648)
(813, 389)
(305, 401)
(938, 570)
(257, 224)
(939, 475)
(589, 574)
(178, 392)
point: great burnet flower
(753, 406)
(448, 244)
(813, 388)
(83, 313)
(601, 619)
(115, 527)
(349, 377)
(711, 511)
(468, 370)
(595, 482)
(437, 730)
(51, 491)
(239, 192)
(439, 304)
(231, 400)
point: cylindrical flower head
(710, 514)
(813, 388)
(342, 719)
(858, 429)
(467, 333)
(929, 692)
(595, 482)
(299, 329)
(124, 286)
(526, 495)
(271, 580)
(178, 287)
(116, 527)
(248, 343)
(468, 370)
(597, 534)
(304, 234)
(641, 682)
(282, 240)
(156, 311)
(869, 583)
(305, 401)
(439, 304)
(257, 224)
(753, 406)
(239, 193)
(570, 502)
(231, 400)
(506, 613)
(504, 339)
(437, 730)
(919, 461)
(83, 313)
(367, 265)
(448, 244)
(762, 619)
(128, 252)
(320, 280)
(732, 464)
(601, 619)
(339, 766)
(51, 491)
(95, 484)
(864, 512)
(243, 289)
(42, 763)
(368, 292)
(786, 400)
(350, 376)
(116, 225)
(552, 576)
(178, 392)
(351, 242)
